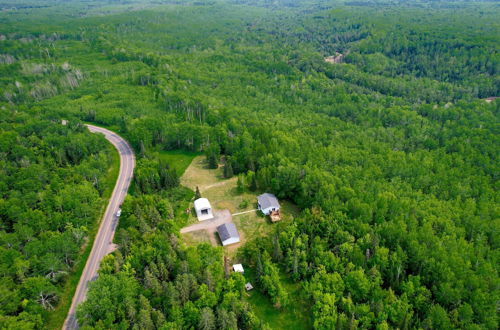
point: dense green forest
(392, 156)
(53, 178)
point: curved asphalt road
(104, 238)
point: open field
(199, 175)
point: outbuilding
(228, 233)
(268, 203)
(203, 209)
(238, 268)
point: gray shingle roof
(268, 200)
(227, 230)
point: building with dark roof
(268, 203)
(228, 233)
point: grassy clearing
(178, 159)
(56, 319)
(199, 175)
(223, 194)
(197, 237)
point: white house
(228, 233)
(203, 209)
(268, 203)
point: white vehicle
(119, 212)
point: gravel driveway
(210, 226)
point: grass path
(239, 213)
(218, 184)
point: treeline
(458, 55)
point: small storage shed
(268, 203)
(203, 209)
(238, 268)
(228, 233)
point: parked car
(119, 212)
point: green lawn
(56, 318)
(178, 159)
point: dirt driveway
(210, 226)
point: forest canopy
(389, 149)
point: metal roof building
(228, 233)
(268, 203)
(203, 209)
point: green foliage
(51, 178)
(154, 281)
(228, 170)
(212, 154)
(243, 205)
(153, 176)
(391, 156)
(197, 194)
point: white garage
(203, 209)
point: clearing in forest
(223, 195)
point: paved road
(103, 240)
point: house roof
(227, 231)
(267, 200)
(201, 204)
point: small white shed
(238, 268)
(203, 209)
(268, 203)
